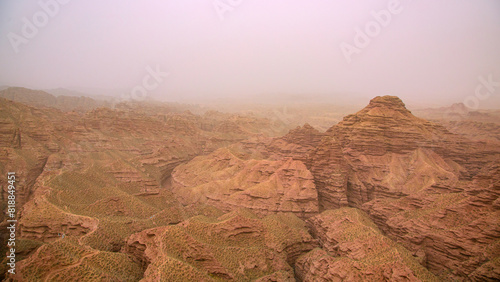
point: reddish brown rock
(97, 176)
(237, 246)
(457, 231)
(331, 172)
(421, 184)
(353, 248)
(297, 144)
(100, 176)
(44, 222)
(10, 135)
(226, 181)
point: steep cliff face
(457, 227)
(383, 151)
(331, 171)
(24, 147)
(353, 248)
(10, 135)
(422, 185)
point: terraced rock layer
(354, 249)
(234, 247)
(229, 182)
(421, 184)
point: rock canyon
(162, 192)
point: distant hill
(101, 93)
(77, 93)
(65, 92)
(40, 98)
(456, 111)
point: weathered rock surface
(67, 260)
(297, 144)
(459, 232)
(104, 179)
(42, 221)
(98, 176)
(228, 182)
(421, 184)
(353, 248)
(388, 162)
(331, 172)
(237, 246)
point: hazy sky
(429, 51)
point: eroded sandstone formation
(228, 182)
(236, 246)
(160, 191)
(98, 176)
(354, 249)
(418, 182)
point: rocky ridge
(415, 179)
(237, 246)
(97, 176)
(263, 186)
(161, 193)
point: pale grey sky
(428, 52)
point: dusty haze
(429, 52)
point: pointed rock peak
(304, 136)
(459, 108)
(381, 111)
(392, 102)
(308, 126)
(305, 129)
(386, 106)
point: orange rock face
(297, 144)
(237, 246)
(164, 195)
(228, 182)
(96, 177)
(353, 248)
(418, 182)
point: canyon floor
(169, 192)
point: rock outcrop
(237, 246)
(459, 231)
(331, 172)
(353, 248)
(67, 260)
(97, 175)
(153, 183)
(297, 144)
(229, 182)
(417, 181)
